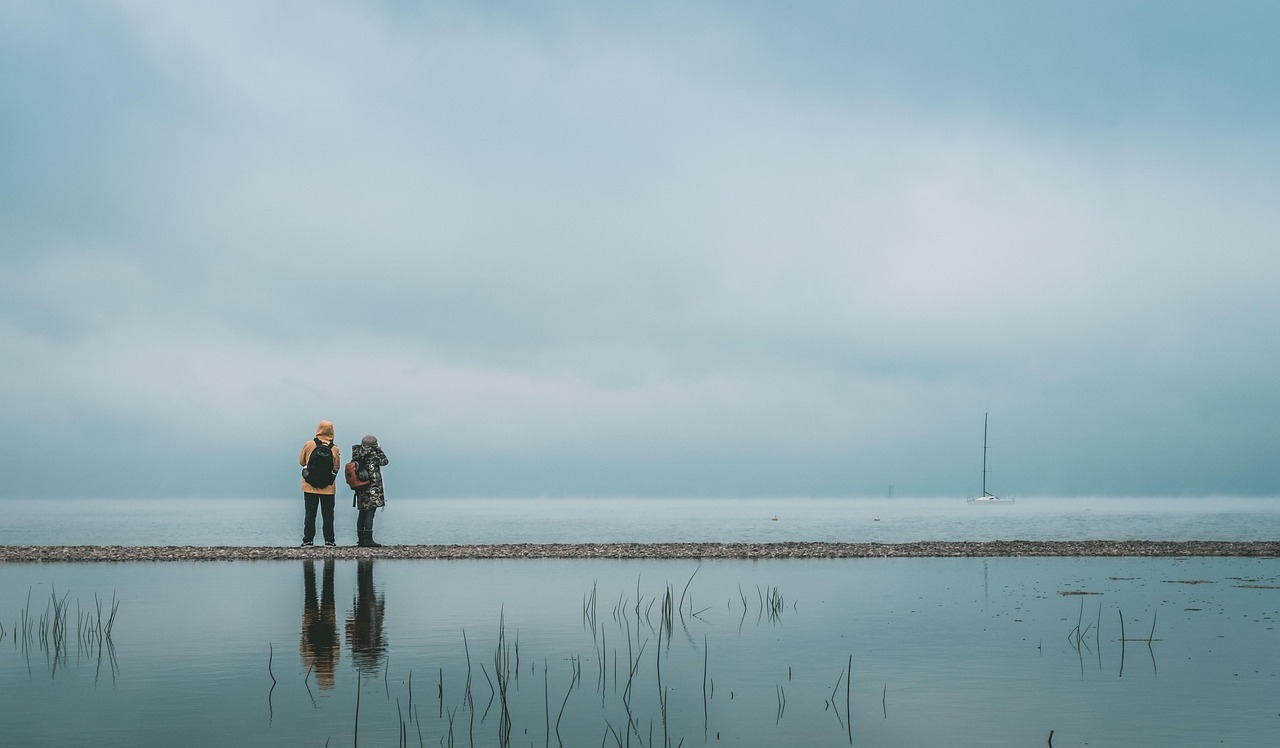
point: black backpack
(319, 471)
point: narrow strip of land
(976, 549)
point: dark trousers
(323, 501)
(364, 521)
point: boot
(366, 540)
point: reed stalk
(589, 609)
(848, 710)
(1122, 641)
(658, 656)
(667, 614)
(501, 669)
(1097, 635)
(271, 713)
(610, 731)
(706, 654)
(403, 732)
(355, 735)
(664, 696)
(831, 700)
(560, 716)
(686, 589)
(305, 678)
(466, 697)
(111, 621)
(488, 705)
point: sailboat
(987, 497)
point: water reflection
(319, 646)
(577, 653)
(365, 633)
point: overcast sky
(641, 249)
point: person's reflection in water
(319, 624)
(364, 627)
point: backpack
(357, 475)
(319, 471)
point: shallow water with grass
(883, 652)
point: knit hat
(369, 440)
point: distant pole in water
(984, 453)
(891, 490)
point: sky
(676, 249)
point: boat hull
(988, 499)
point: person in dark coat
(370, 457)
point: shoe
(330, 543)
(307, 544)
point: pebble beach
(998, 548)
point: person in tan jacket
(318, 489)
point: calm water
(868, 652)
(275, 522)
(943, 652)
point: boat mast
(984, 454)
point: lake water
(277, 522)
(942, 652)
(866, 652)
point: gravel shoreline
(927, 549)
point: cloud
(672, 252)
